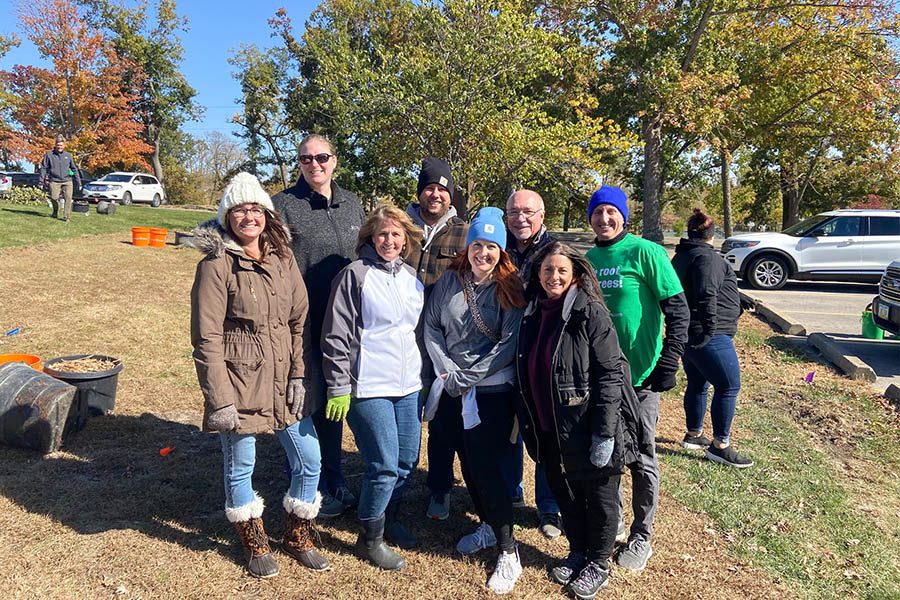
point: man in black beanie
(445, 239)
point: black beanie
(434, 170)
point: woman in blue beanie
(471, 321)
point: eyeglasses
(528, 214)
(254, 211)
(322, 158)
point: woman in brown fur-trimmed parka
(249, 330)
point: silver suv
(839, 245)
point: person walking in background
(56, 173)
(324, 221)
(710, 286)
(574, 380)
(443, 239)
(372, 365)
(642, 291)
(527, 236)
(471, 321)
(250, 333)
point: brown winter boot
(298, 533)
(249, 525)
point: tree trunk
(154, 159)
(566, 214)
(726, 192)
(651, 132)
(790, 194)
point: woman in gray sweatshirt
(471, 321)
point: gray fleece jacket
(455, 344)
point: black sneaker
(695, 442)
(568, 568)
(728, 456)
(590, 580)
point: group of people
(306, 311)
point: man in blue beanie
(641, 290)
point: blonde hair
(384, 212)
(315, 137)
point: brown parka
(249, 330)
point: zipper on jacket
(537, 437)
(553, 399)
(399, 305)
(337, 233)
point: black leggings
(481, 454)
(589, 507)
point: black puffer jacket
(710, 286)
(591, 388)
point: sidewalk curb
(777, 320)
(850, 365)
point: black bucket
(35, 409)
(96, 390)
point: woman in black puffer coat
(710, 286)
(577, 409)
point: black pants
(482, 451)
(589, 507)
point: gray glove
(601, 450)
(223, 419)
(295, 394)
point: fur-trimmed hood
(211, 239)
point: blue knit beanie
(488, 225)
(609, 195)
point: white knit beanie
(243, 188)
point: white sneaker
(506, 572)
(481, 538)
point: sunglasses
(322, 158)
(254, 211)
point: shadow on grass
(111, 476)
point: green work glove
(337, 408)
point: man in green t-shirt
(642, 292)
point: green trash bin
(869, 329)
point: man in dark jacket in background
(56, 172)
(324, 222)
(445, 239)
(527, 235)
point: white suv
(126, 188)
(839, 245)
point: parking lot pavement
(835, 309)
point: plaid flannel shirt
(447, 244)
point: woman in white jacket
(372, 366)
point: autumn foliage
(82, 96)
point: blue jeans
(302, 449)
(512, 475)
(387, 432)
(715, 363)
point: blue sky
(215, 29)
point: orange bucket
(140, 236)
(158, 237)
(29, 359)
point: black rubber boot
(370, 546)
(394, 531)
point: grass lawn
(817, 517)
(24, 225)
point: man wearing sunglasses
(527, 235)
(445, 239)
(324, 221)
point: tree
(164, 99)
(80, 97)
(483, 85)
(218, 159)
(265, 83)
